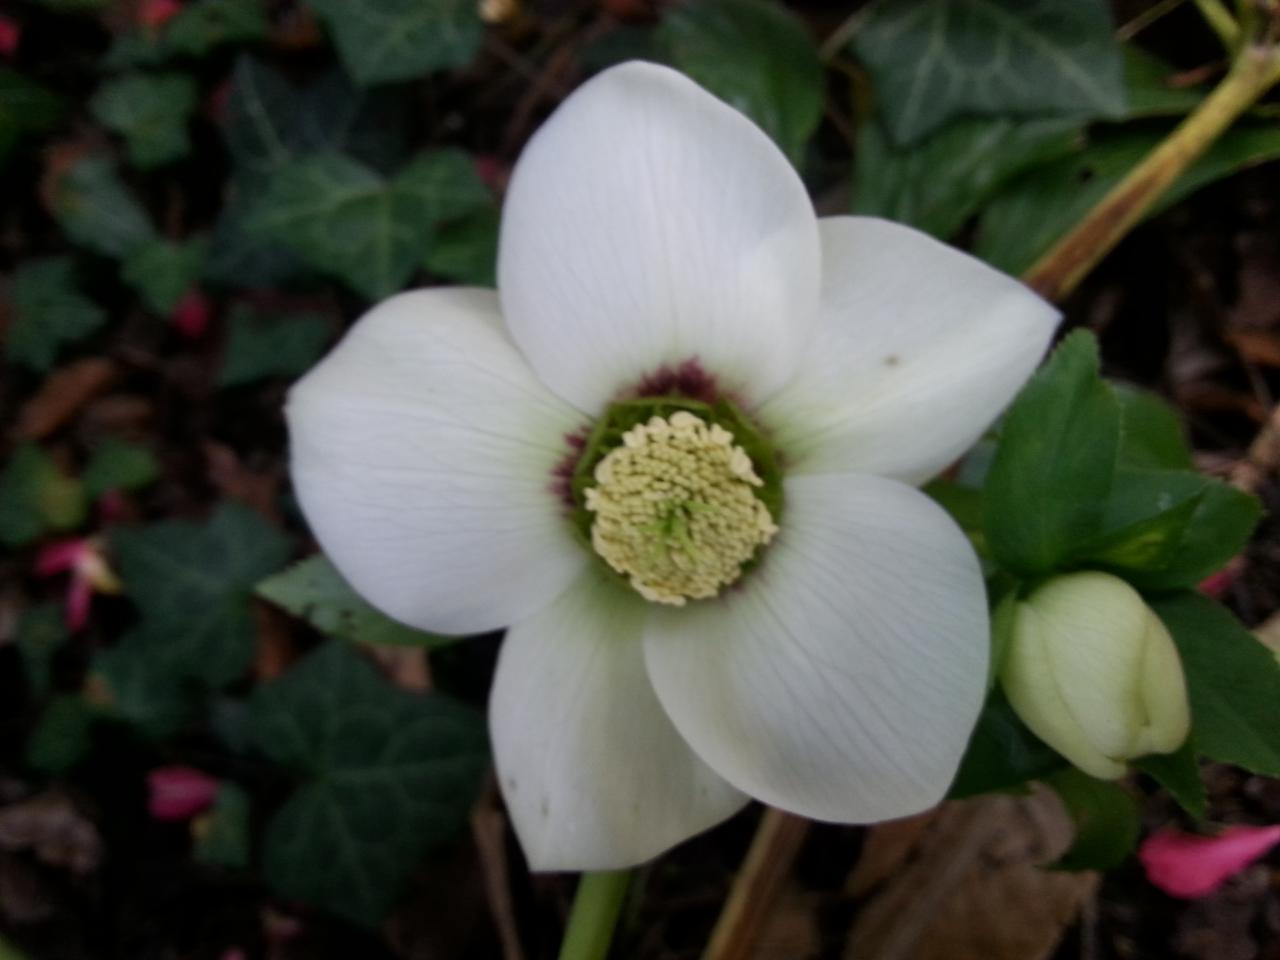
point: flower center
(677, 506)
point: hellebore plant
(676, 454)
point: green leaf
(25, 108)
(41, 632)
(935, 60)
(938, 183)
(49, 311)
(755, 55)
(466, 250)
(1146, 78)
(260, 346)
(346, 220)
(222, 835)
(1106, 821)
(199, 28)
(1047, 489)
(382, 41)
(1233, 682)
(62, 737)
(162, 272)
(97, 211)
(1179, 773)
(388, 775)
(151, 112)
(1035, 209)
(1151, 433)
(1002, 754)
(314, 590)
(140, 681)
(117, 465)
(36, 496)
(193, 583)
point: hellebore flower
(1094, 673)
(674, 453)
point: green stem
(1255, 70)
(1220, 21)
(595, 911)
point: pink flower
(10, 36)
(192, 314)
(156, 13)
(83, 558)
(1186, 865)
(179, 793)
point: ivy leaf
(941, 181)
(1233, 682)
(935, 60)
(314, 590)
(140, 681)
(162, 272)
(49, 311)
(261, 346)
(36, 496)
(382, 41)
(1032, 211)
(757, 57)
(372, 233)
(42, 630)
(1106, 821)
(466, 250)
(117, 465)
(97, 211)
(388, 775)
(193, 583)
(199, 28)
(151, 112)
(25, 108)
(1047, 489)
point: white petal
(594, 774)
(649, 224)
(919, 347)
(841, 681)
(422, 454)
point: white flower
(654, 238)
(1094, 673)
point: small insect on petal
(1186, 865)
(179, 793)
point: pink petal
(79, 595)
(1217, 584)
(59, 556)
(1186, 865)
(10, 36)
(179, 793)
(191, 315)
(156, 13)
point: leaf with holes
(388, 775)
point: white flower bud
(1094, 673)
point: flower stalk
(1254, 71)
(596, 907)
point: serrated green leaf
(756, 56)
(142, 681)
(466, 250)
(193, 583)
(25, 107)
(36, 496)
(162, 272)
(1233, 682)
(41, 632)
(116, 465)
(1035, 209)
(314, 590)
(1106, 820)
(1047, 490)
(1179, 773)
(382, 41)
(260, 346)
(389, 774)
(935, 60)
(97, 211)
(372, 233)
(199, 28)
(222, 835)
(49, 311)
(151, 112)
(1002, 754)
(938, 183)
(62, 737)
(1151, 432)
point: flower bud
(1094, 673)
